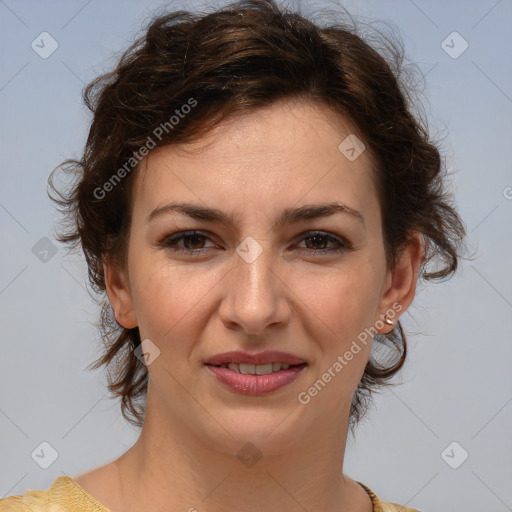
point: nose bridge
(255, 295)
(254, 269)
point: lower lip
(256, 384)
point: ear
(118, 291)
(400, 286)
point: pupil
(317, 238)
(194, 237)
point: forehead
(286, 153)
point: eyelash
(171, 240)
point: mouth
(255, 379)
(257, 369)
(255, 373)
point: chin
(272, 433)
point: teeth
(264, 369)
(247, 369)
(256, 369)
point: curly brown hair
(230, 61)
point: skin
(288, 299)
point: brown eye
(192, 242)
(318, 242)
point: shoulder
(13, 504)
(30, 501)
(395, 507)
(384, 506)
(60, 497)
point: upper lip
(268, 356)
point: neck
(171, 467)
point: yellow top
(66, 495)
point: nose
(255, 295)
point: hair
(236, 59)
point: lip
(267, 356)
(256, 384)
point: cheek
(337, 309)
(168, 298)
(340, 302)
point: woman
(258, 203)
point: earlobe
(118, 291)
(402, 283)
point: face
(269, 269)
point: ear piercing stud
(388, 321)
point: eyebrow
(289, 215)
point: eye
(317, 242)
(193, 243)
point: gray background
(457, 384)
